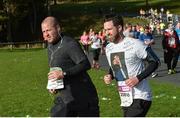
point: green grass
(108, 95)
(166, 99)
(23, 83)
(23, 79)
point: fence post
(44, 45)
(28, 46)
(11, 46)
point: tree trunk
(10, 37)
(55, 2)
(34, 19)
(48, 8)
(9, 25)
(147, 5)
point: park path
(162, 70)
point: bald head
(50, 20)
(50, 29)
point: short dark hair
(116, 19)
(146, 27)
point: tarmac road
(162, 70)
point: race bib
(171, 41)
(125, 93)
(57, 84)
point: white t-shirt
(96, 42)
(131, 53)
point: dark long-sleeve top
(68, 55)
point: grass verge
(23, 76)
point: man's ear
(120, 28)
(59, 29)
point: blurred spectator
(148, 40)
(171, 47)
(84, 40)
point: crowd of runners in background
(162, 23)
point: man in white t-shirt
(126, 57)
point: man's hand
(132, 81)
(52, 91)
(165, 50)
(107, 79)
(147, 42)
(55, 75)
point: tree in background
(24, 17)
(147, 5)
(1, 4)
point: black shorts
(139, 108)
(96, 53)
(72, 109)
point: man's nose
(46, 35)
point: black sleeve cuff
(111, 73)
(150, 69)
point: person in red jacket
(171, 47)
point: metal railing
(23, 45)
